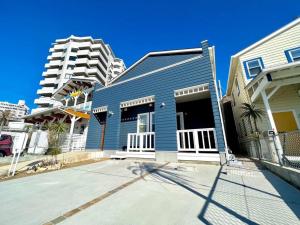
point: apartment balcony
(118, 70)
(51, 72)
(60, 46)
(80, 70)
(56, 55)
(85, 45)
(97, 54)
(48, 82)
(53, 63)
(83, 52)
(82, 61)
(97, 73)
(45, 91)
(95, 62)
(42, 101)
(99, 46)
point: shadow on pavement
(167, 174)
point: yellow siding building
(267, 74)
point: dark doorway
(101, 117)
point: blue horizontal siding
(161, 84)
(155, 62)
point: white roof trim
(192, 50)
(191, 90)
(234, 58)
(270, 36)
(138, 101)
(100, 109)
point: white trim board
(137, 101)
(191, 90)
(100, 109)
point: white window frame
(290, 53)
(247, 65)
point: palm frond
(252, 111)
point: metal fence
(285, 151)
(290, 143)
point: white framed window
(253, 67)
(294, 54)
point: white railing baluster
(184, 140)
(208, 136)
(196, 142)
(202, 137)
(188, 134)
(141, 141)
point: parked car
(6, 145)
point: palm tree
(250, 111)
(55, 131)
(4, 118)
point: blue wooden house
(165, 107)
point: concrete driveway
(125, 192)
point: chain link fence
(282, 148)
(290, 143)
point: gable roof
(153, 61)
(234, 58)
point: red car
(6, 145)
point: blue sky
(132, 28)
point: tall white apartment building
(77, 57)
(17, 111)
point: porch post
(67, 101)
(75, 101)
(73, 120)
(85, 99)
(273, 125)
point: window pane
(254, 71)
(253, 64)
(296, 54)
(143, 122)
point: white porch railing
(196, 140)
(141, 142)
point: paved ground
(113, 192)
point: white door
(143, 123)
(146, 122)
